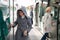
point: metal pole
(9, 15)
(9, 7)
(13, 19)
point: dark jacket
(23, 24)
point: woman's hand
(25, 33)
(11, 25)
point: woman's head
(20, 13)
(48, 9)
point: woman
(24, 25)
(47, 23)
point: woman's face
(21, 13)
(50, 10)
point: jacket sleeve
(15, 23)
(45, 20)
(29, 25)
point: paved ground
(33, 35)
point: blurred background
(8, 11)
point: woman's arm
(29, 24)
(45, 21)
(15, 23)
(45, 18)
